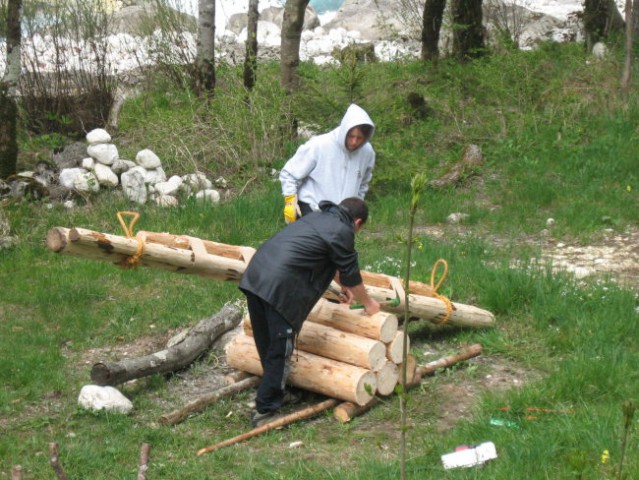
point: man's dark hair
(366, 129)
(356, 207)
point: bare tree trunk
(601, 19)
(205, 58)
(635, 18)
(8, 92)
(431, 26)
(625, 79)
(292, 25)
(250, 62)
(468, 29)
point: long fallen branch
(198, 404)
(197, 341)
(346, 411)
(280, 422)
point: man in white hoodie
(332, 166)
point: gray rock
(70, 156)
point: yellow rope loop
(443, 298)
(133, 260)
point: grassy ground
(559, 140)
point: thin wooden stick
(346, 411)
(198, 404)
(280, 422)
(16, 472)
(143, 466)
(53, 460)
(236, 376)
(450, 360)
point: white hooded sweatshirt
(324, 169)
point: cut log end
(57, 239)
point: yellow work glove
(291, 209)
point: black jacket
(293, 269)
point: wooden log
(387, 378)
(310, 372)
(116, 249)
(197, 341)
(382, 326)
(395, 348)
(143, 464)
(446, 362)
(341, 346)
(197, 260)
(346, 411)
(185, 242)
(198, 404)
(385, 281)
(280, 422)
(434, 309)
(235, 376)
(411, 369)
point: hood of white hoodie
(354, 116)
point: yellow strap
(447, 302)
(133, 260)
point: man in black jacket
(286, 277)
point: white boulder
(68, 175)
(105, 153)
(95, 397)
(133, 185)
(106, 176)
(98, 135)
(148, 159)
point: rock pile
(100, 166)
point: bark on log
(280, 422)
(387, 378)
(310, 372)
(395, 348)
(196, 342)
(198, 404)
(341, 346)
(230, 265)
(382, 326)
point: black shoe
(258, 419)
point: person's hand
(372, 307)
(347, 296)
(291, 209)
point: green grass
(558, 141)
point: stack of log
(340, 353)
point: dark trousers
(274, 341)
